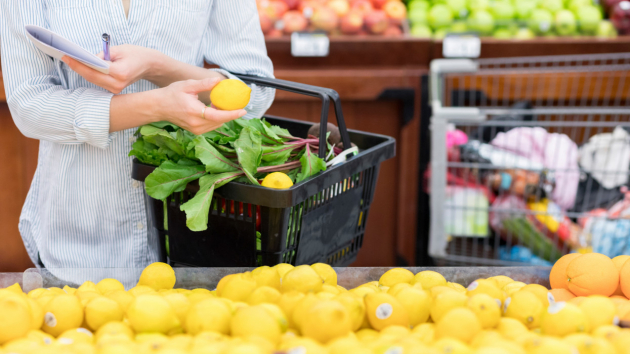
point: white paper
(56, 46)
(466, 46)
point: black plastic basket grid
(322, 219)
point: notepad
(57, 46)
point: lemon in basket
(158, 276)
(230, 95)
(277, 180)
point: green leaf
(162, 138)
(276, 154)
(293, 174)
(214, 161)
(283, 133)
(249, 152)
(268, 135)
(311, 165)
(147, 153)
(222, 135)
(171, 177)
(198, 208)
(224, 149)
(164, 125)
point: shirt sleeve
(41, 105)
(234, 41)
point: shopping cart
(529, 158)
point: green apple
(440, 16)
(523, 8)
(588, 18)
(418, 16)
(524, 34)
(440, 34)
(564, 23)
(605, 29)
(502, 33)
(502, 11)
(481, 21)
(552, 6)
(575, 5)
(540, 21)
(419, 4)
(458, 7)
(420, 31)
(474, 5)
(458, 27)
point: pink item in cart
(455, 137)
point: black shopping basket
(321, 219)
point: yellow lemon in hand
(230, 95)
(158, 276)
(277, 180)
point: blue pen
(106, 46)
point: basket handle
(325, 94)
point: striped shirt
(83, 209)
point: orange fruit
(558, 275)
(593, 274)
(619, 261)
(561, 294)
(624, 279)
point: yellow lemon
(621, 341)
(87, 286)
(485, 337)
(237, 288)
(23, 345)
(180, 303)
(586, 344)
(551, 345)
(330, 289)
(355, 308)
(513, 287)
(114, 328)
(487, 309)
(15, 319)
(398, 287)
(276, 312)
(123, 298)
(417, 303)
(540, 291)
(35, 293)
(458, 287)
(511, 328)
(69, 290)
(362, 291)
(439, 289)
(106, 285)
(301, 308)
(101, 310)
(86, 296)
(326, 272)
(451, 346)
(428, 279)
(525, 307)
(287, 303)
(283, 268)
(197, 297)
(460, 323)
(16, 288)
(327, 320)
(263, 294)
(62, 313)
(141, 290)
(208, 315)
(37, 313)
(151, 313)
(266, 276)
(302, 278)
(562, 318)
(599, 311)
(395, 276)
(445, 302)
(255, 320)
(501, 280)
(425, 332)
(366, 335)
(45, 298)
(606, 331)
(343, 345)
(384, 310)
(76, 335)
(230, 95)
(302, 345)
(277, 180)
(158, 276)
(485, 286)
(325, 295)
(40, 337)
(179, 342)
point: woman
(83, 209)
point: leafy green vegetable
(249, 152)
(215, 162)
(171, 177)
(311, 165)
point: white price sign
(461, 46)
(309, 44)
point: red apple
(378, 4)
(279, 7)
(265, 22)
(393, 31)
(274, 33)
(308, 7)
(294, 21)
(324, 18)
(352, 23)
(376, 21)
(396, 11)
(292, 4)
(364, 6)
(341, 7)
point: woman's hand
(129, 63)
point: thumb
(196, 86)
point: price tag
(461, 46)
(309, 44)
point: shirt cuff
(229, 75)
(91, 118)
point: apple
(265, 22)
(341, 7)
(552, 6)
(274, 33)
(458, 7)
(308, 7)
(620, 17)
(364, 6)
(292, 4)
(524, 34)
(588, 18)
(502, 11)
(564, 23)
(396, 11)
(420, 31)
(575, 5)
(418, 16)
(440, 16)
(474, 5)
(481, 21)
(605, 29)
(458, 27)
(275, 9)
(376, 21)
(419, 4)
(294, 21)
(393, 31)
(324, 18)
(352, 23)
(523, 8)
(502, 33)
(378, 4)
(440, 34)
(540, 21)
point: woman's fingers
(196, 86)
(105, 81)
(223, 116)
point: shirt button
(140, 226)
(135, 184)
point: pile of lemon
(302, 310)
